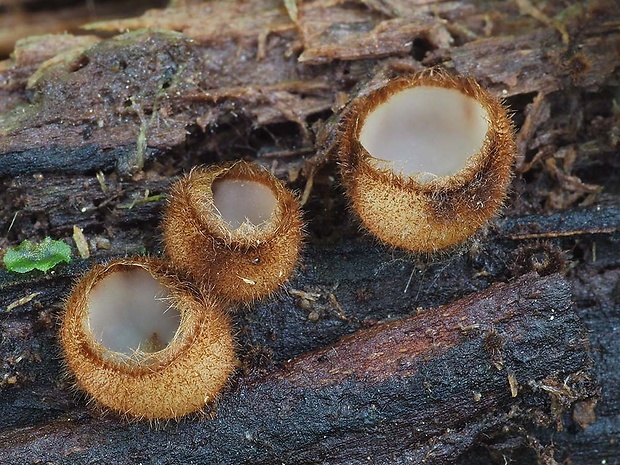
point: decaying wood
(94, 127)
(430, 383)
(23, 18)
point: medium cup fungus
(426, 159)
(143, 344)
(233, 226)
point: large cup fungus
(426, 159)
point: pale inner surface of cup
(129, 310)
(242, 201)
(425, 131)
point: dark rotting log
(419, 389)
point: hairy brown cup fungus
(143, 344)
(234, 226)
(426, 159)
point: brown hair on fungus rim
(408, 211)
(241, 263)
(169, 380)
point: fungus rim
(200, 191)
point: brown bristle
(180, 378)
(417, 214)
(241, 264)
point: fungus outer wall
(425, 130)
(129, 310)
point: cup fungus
(144, 344)
(426, 159)
(233, 226)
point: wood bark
(369, 355)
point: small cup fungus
(235, 227)
(143, 344)
(426, 159)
